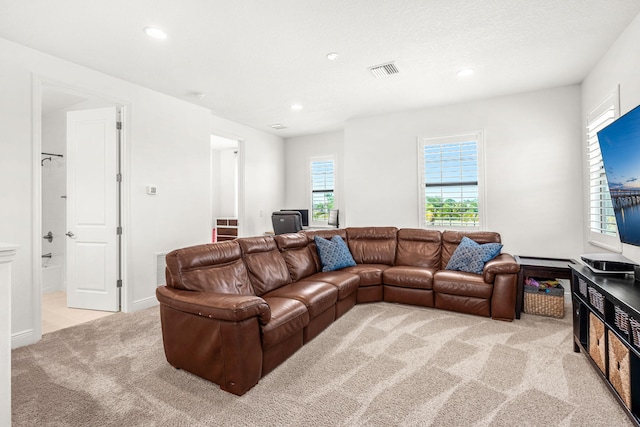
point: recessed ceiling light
(332, 56)
(465, 73)
(296, 107)
(278, 126)
(156, 33)
(199, 95)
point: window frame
(457, 138)
(317, 159)
(610, 241)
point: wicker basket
(582, 287)
(635, 331)
(621, 320)
(596, 299)
(544, 304)
(597, 344)
(619, 368)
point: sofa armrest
(502, 272)
(502, 264)
(228, 307)
(214, 336)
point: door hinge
(119, 125)
(119, 283)
(118, 177)
(118, 230)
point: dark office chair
(286, 222)
(333, 218)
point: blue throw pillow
(470, 256)
(334, 254)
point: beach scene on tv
(620, 147)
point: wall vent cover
(161, 264)
(384, 70)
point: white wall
(16, 163)
(298, 153)
(167, 144)
(533, 167)
(619, 66)
(262, 174)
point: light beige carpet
(380, 364)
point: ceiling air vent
(384, 70)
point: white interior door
(92, 209)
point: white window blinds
(450, 182)
(322, 189)
(601, 220)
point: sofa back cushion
(373, 245)
(419, 248)
(267, 268)
(451, 240)
(214, 267)
(296, 251)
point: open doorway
(226, 165)
(57, 107)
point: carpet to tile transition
(380, 364)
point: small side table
(540, 268)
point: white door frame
(37, 83)
(241, 157)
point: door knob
(70, 234)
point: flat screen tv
(620, 147)
(304, 213)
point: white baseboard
(144, 303)
(20, 339)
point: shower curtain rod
(52, 154)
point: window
(322, 189)
(450, 181)
(601, 220)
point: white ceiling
(254, 58)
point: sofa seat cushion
(347, 283)
(409, 277)
(370, 274)
(317, 296)
(288, 316)
(461, 283)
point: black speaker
(636, 272)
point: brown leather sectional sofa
(233, 311)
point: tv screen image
(620, 148)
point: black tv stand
(606, 328)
